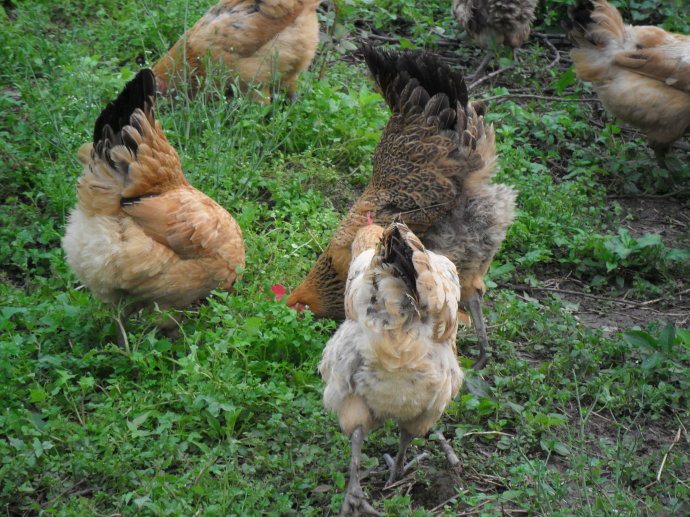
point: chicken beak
(299, 307)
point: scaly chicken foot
(355, 500)
(660, 155)
(475, 306)
(397, 470)
(390, 461)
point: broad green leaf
(652, 362)
(667, 338)
(650, 239)
(37, 394)
(640, 339)
(134, 424)
(684, 336)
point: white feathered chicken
(394, 357)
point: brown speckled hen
(140, 233)
(433, 166)
(260, 40)
(641, 73)
(394, 357)
(495, 22)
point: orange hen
(140, 233)
(641, 73)
(259, 40)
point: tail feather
(137, 94)
(399, 284)
(409, 79)
(130, 157)
(396, 250)
(428, 101)
(595, 22)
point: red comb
(369, 221)
(278, 290)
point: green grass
(567, 419)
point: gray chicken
(495, 22)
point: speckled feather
(258, 40)
(435, 155)
(501, 22)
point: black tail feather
(137, 93)
(393, 71)
(579, 16)
(398, 254)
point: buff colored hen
(267, 43)
(641, 73)
(140, 233)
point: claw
(355, 503)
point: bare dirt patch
(612, 312)
(668, 217)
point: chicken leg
(355, 501)
(475, 306)
(123, 314)
(398, 468)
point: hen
(641, 73)
(495, 22)
(140, 233)
(433, 165)
(260, 40)
(394, 357)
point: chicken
(259, 40)
(394, 357)
(140, 233)
(641, 73)
(495, 22)
(432, 165)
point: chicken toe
(391, 462)
(355, 501)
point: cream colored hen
(641, 73)
(394, 357)
(140, 233)
(260, 40)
